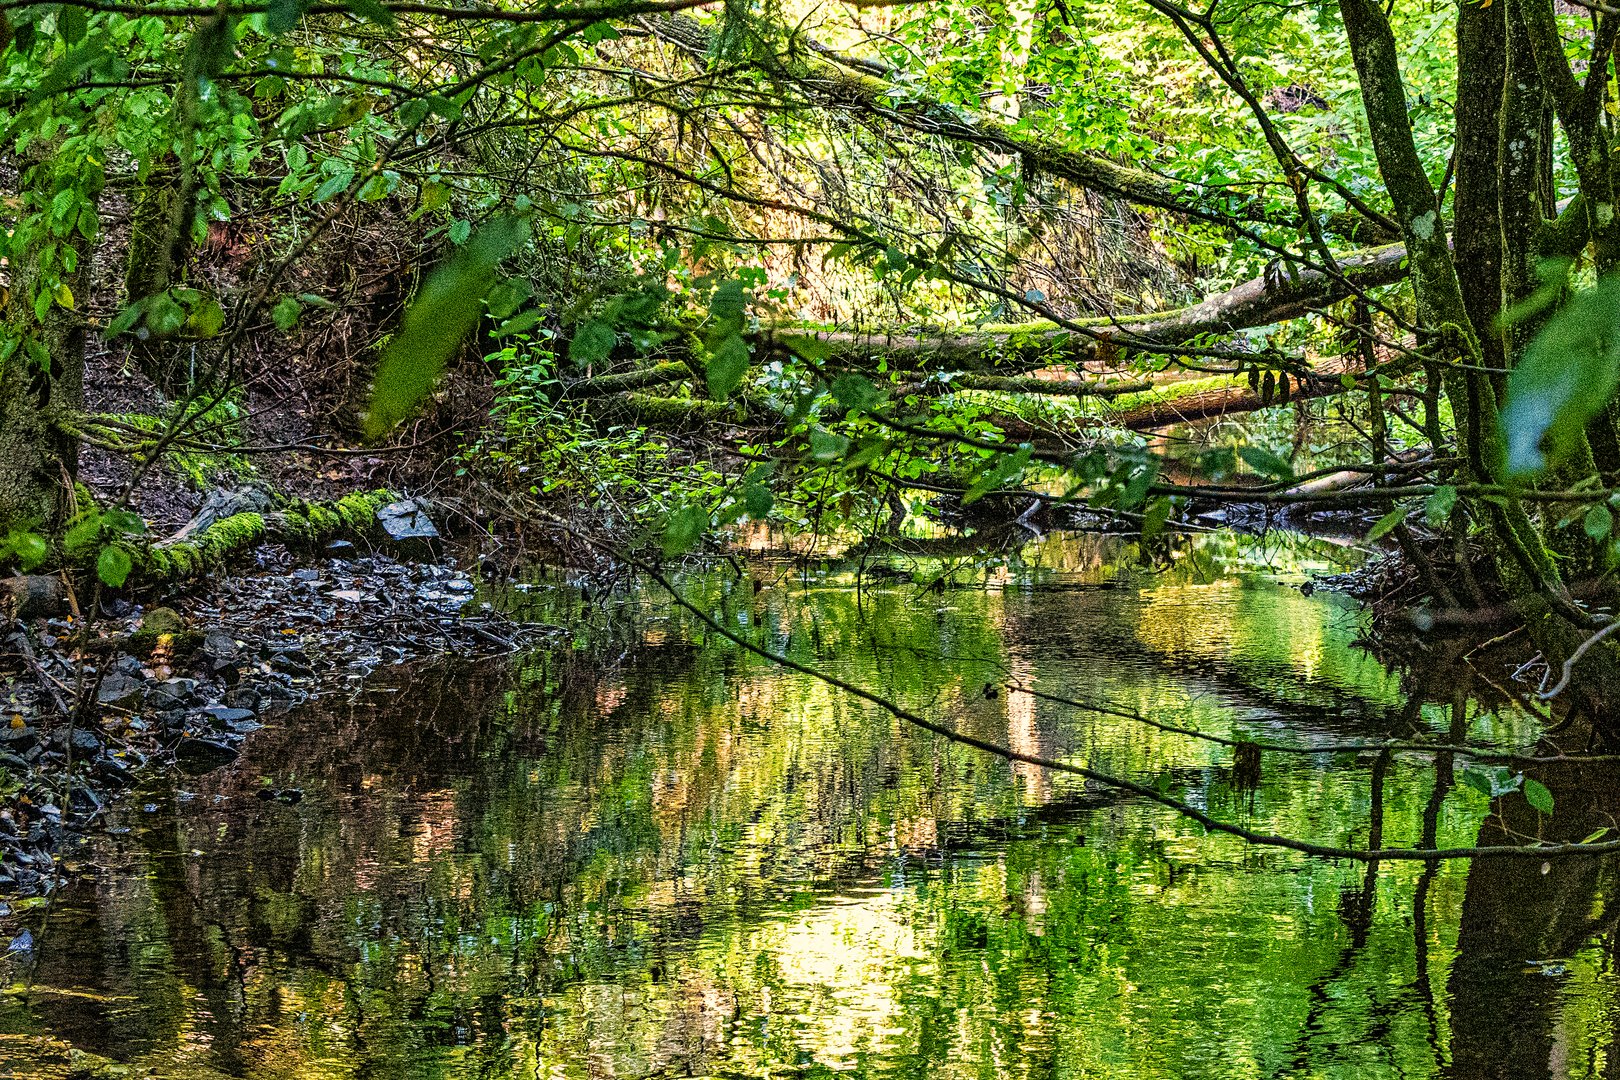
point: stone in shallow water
(197, 756)
(223, 714)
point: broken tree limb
(832, 81)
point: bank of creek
(648, 853)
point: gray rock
(120, 689)
(410, 528)
(245, 698)
(225, 715)
(17, 740)
(84, 741)
(219, 651)
(172, 694)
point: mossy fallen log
(298, 524)
(603, 385)
(1204, 399)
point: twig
(1569, 665)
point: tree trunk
(41, 378)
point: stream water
(654, 855)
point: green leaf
(435, 196)
(806, 347)
(1569, 372)
(1537, 795)
(335, 183)
(1599, 522)
(29, 549)
(286, 313)
(81, 536)
(71, 23)
(1266, 463)
(124, 521)
(727, 367)
(1385, 525)
(460, 229)
(1155, 516)
(448, 306)
(1006, 470)
(1438, 506)
(758, 500)
(856, 393)
(683, 529)
(592, 343)
(164, 317)
(827, 446)
(125, 320)
(113, 566)
(727, 306)
(507, 297)
(371, 11)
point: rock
(32, 596)
(164, 628)
(245, 698)
(83, 742)
(223, 714)
(350, 595)
(162, 620)
(218, 651)
(172, 694)
(306, 574)
(18, 740)
(120, 690)
(291, 662)
(411, 529)
(341, 549)
(197, 756)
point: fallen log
(640, 379)
(1258, 302)
(298, 524)
(1159, 410)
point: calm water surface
(663, 857)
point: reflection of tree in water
(688, 862)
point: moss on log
(299, 524)
(641, 379)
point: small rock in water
(224, 714)
(341, 549)
(197, 756)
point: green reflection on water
(677, 860)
